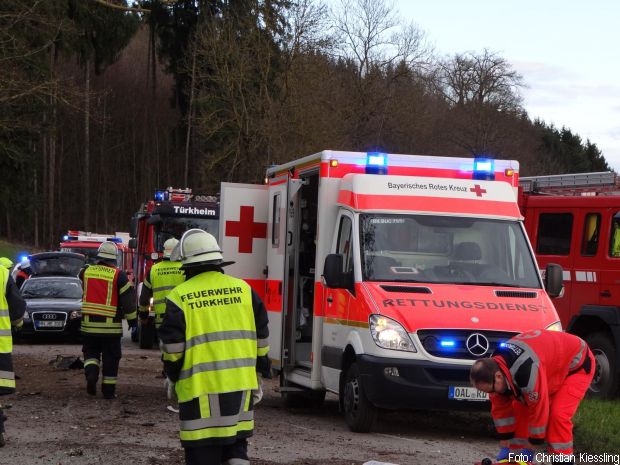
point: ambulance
(386, 276)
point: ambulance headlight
(557, 326)
(389, 334)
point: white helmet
(169, 245)
(198, 246)
(107, 251)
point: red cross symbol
(478, 190)
(246, 229)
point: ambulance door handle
(606, 293)
(289, 234)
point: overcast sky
(567, 51)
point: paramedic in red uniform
(536, 382)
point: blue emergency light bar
(484, 169)
(160, 195)
(23, 258)
(376, 163)
(502, 344)
(116, 240)
(449, 343)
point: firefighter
(12, 308)
(6, 262)
(159, 281)
(108, 296)
(214, 341)
(536, 382)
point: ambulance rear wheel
(360, 414)
(605, 382)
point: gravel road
(53, 421)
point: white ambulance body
(386, 275)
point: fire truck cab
(574, 220)
(168, 214)
(386, 276)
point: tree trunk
(52, 158)
(86, 145)
(189, 117)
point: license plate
(50, 324)
(466, 393)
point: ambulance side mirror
(554, 280)
(332, 271)
(133, 243)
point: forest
(103, 101)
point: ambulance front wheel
(360, 414)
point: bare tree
(482, 79)
(370, 34)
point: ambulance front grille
(462, 343)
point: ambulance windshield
(442, 249)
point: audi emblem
(477, 344)
(48, 316)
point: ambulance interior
(446, 249)
(302, 271)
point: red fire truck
(168, 214)
(87, 243)
(574, 220)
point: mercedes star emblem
(477, 344)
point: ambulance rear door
(243, 239)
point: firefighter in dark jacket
(12, 308)
(108, 297)
(536, 382)
(214, 341)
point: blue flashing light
(484, 169)
(376, 159)
(23, 258)
(160, 195)
(449, 343)
(502, 344)
(116, 240)
(376, 163)
(65, 238)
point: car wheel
(605, 382)
(360, 414)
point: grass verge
(14, 251)
(597, 424)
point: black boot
(92, 375)
(108, 391)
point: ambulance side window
(554, 233)
(591, 233)
(345, 243)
